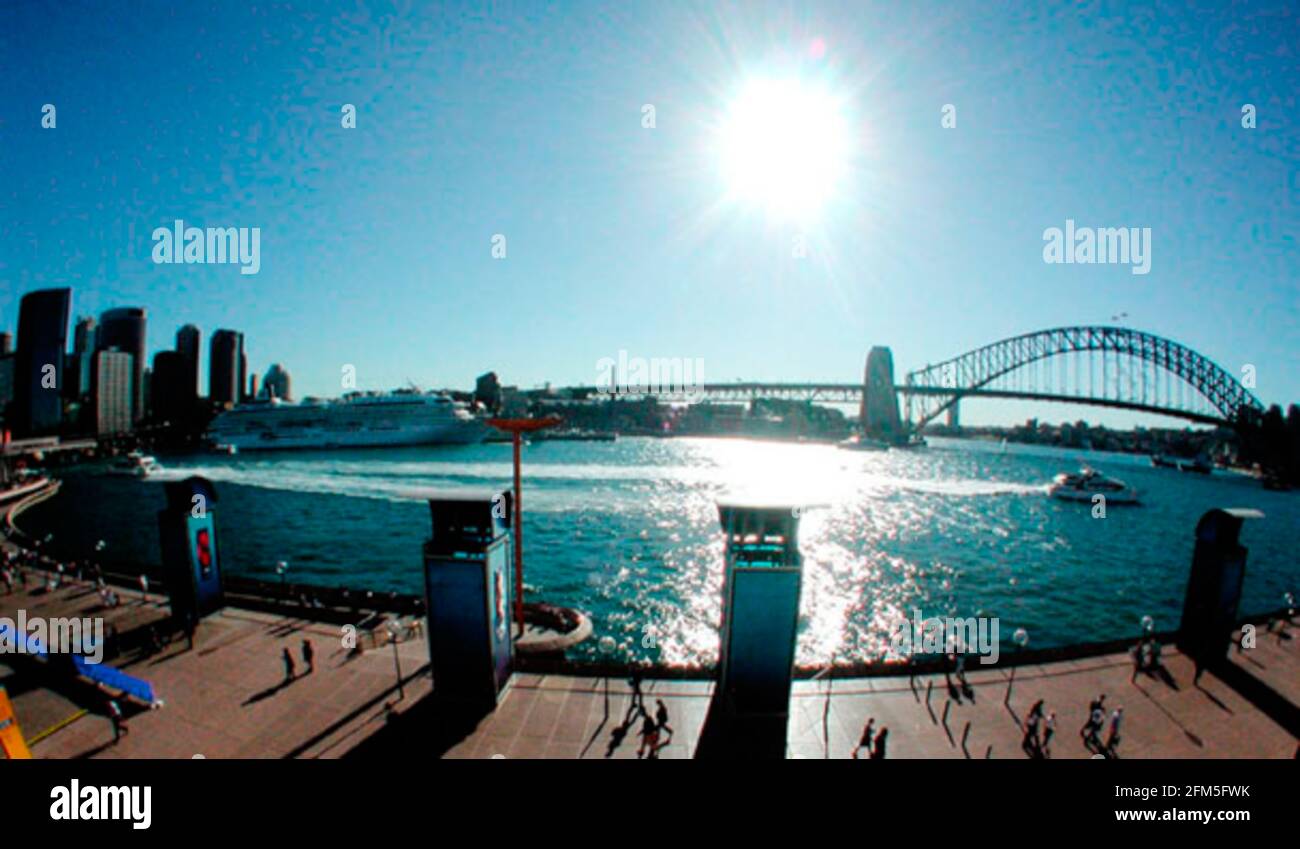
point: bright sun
(784, 147)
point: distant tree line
(1272, 441)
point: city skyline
(377, 241)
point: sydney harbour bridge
(1112, 367)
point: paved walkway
(225, 698)
(564, 716)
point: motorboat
(134, 465)
(1088, 483)
(861, 443)
(1200, 466)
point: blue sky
(526, 120)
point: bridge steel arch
(937, 387)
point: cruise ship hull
(364, 423)
(458, 434)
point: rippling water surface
(628, 531)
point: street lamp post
(517, 428)
(397, 659)
(1021, 639)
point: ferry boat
(860, 443)
(1089, 482)
(134, 465)
(1199, 466)
(357, 420)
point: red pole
(519, 537)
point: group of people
(308, 660)
(1039, 731)
(1146, 657)
(655, 732)
(874, 742)
(1090, 733)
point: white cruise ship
(357, 420)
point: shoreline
(365, 608)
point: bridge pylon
(879, 412)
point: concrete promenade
(565, 716)
(228, 697)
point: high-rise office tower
(84, 336)
(225, 359)
(124, 329)
(38, 365)
(6, 343)
(172, 392)
(188, 340)
(114, 392)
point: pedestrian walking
(661, 715)
(866, 740)
(289, 670)
(1112, 739)
(144, 588)
(1049, 728)
(1095, 722)
(649, 736)
(119, 723)
(638, 700)
(878, 749)
(1097, 704)
(308, 655)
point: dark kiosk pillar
(1214, 587)
(187, 534)
(750, 712)
(467, 580)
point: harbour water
(628, 532)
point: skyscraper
(84, 336)
(188, 340)
(277, 383)
(173, 393)
(38, 366)
(225, 358)
(6, 343)
(114, 394)
(124, 329)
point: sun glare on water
(784, 146)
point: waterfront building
(76, 375)
(38, 364)
(114, 391)
(124, 329)
(277, 383)
(172, 391)
(188, 339)
(225, 362)
(6, 344)
(84, 336)
(252, 388)
(487, 391)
